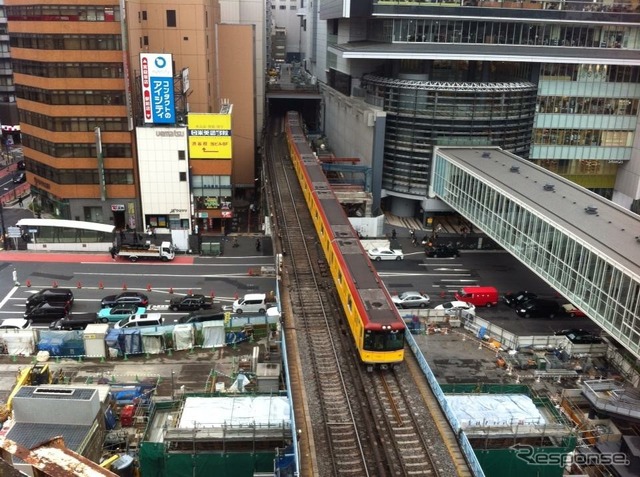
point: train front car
(376, 326)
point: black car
(125, 297)
(190, 302)
(441, 251)
(201, 316)
(74, 321)
(583, 338)
(46, 312)
(20, 177)
(537, 308)
(51, 295)
(514, 299)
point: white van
(251, 303)
(135, 321)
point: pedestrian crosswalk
(404, 222)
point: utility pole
(4, 230)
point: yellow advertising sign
(209, 136)
(201, 147)
(209, 121)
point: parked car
(538, 308)
(454, 307)
(51, 295)
(574, 331)
(478, 296)
(382, 253)
(119, 311)
(581, 338)
(411, 299)
(441, 251)
(251, 303)
(125, 297)
(514, 299)
(201, 316)
(137, 321)
(74, 321)
(47, 312)
(19, 177)
(190, 303)
(15, 324)
(572, 311)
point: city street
(97, 276)
(441, 277)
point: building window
(181, 155)
(171, 18)
(183, 177)
(144, 14)
(145, 40)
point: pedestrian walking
(20, 202)
(235, 243)
(257, 245)
(393, 234)
(414, 240)
(113, 253)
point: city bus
(66, 235)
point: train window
(383, 341)
(349, 304)
(395, 340)
(340, 278)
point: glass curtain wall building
(557, 83)
(581, 244)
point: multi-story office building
(287, 24)
(78, 82)
(8, 108)
(555, 82)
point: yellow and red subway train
(376, 326)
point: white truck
(164, 251)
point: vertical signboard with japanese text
(209, 136)
(157, 88)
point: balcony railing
(582, 6)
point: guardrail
(22, 190)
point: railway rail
(358, 423)
(337, 437)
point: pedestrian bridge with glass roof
(583, 245)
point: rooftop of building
(591, 218)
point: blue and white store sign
(157, 88)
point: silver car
(411, 299)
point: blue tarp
(62, 343)
(236, 337)
(125, 341)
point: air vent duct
(486, 154)
(591, 210)
(515, 169)
(549, 187)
